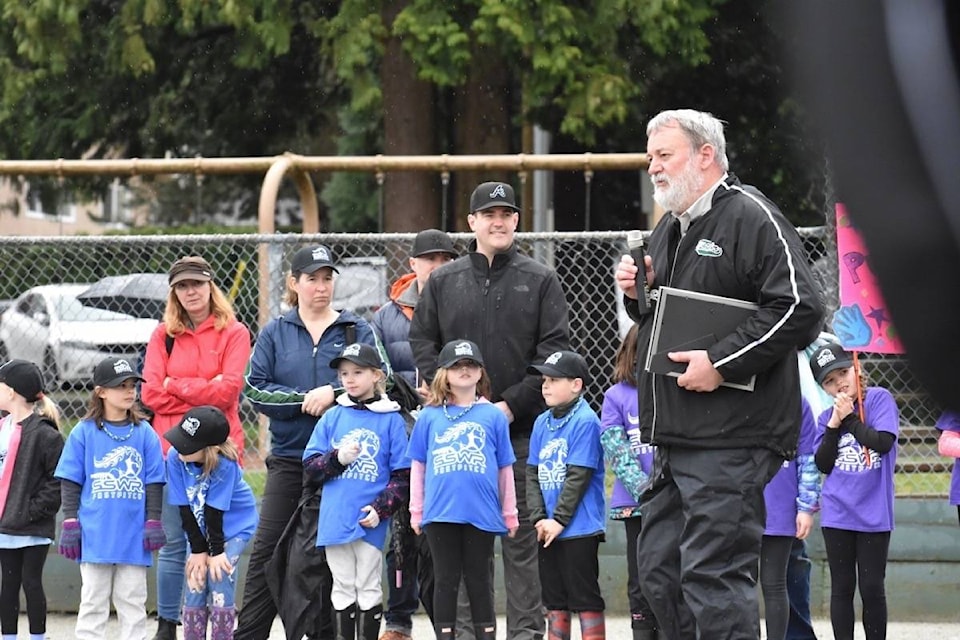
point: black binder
(689, 320)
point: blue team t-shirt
(383, 444)
(113, 473)
(462, 461)
(224, 489)
(571, 440)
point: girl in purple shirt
(858, 455)
(631, 461)
(791, 497)
(949, 445)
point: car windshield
(69, 309)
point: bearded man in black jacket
(717, 446)
(513, 308)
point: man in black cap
(514, 309)
(432, 248)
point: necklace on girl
(462, 413)
(554, 426)
(106, 429)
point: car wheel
(51, 376)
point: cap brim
(449, 363)
(113, 382)
(190, 275)
(498, 203)
(429, 251)
(833, 366)
(179, 441)
(313, 268)
(554, 372)
(354, 359)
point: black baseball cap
(358, 353)
(190, 268)
(200, 427)
(493, 194)
(111, 372)
(310, 259)
(563, 364)
(24, 377)
(457, 350)
(432, 241)
(829, 358)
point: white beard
(677, 194)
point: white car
(49, 326)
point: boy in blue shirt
(566, 495)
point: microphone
(635, 244)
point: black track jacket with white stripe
(743, 247)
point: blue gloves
(70, 539)
(153, 536)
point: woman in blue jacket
(290, 381)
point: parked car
(50, 326)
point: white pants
(356, 569)
(128, 585)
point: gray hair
(700, 127)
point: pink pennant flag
(863, 321)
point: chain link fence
(43, 321)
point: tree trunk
(482, 112)
(411, 198)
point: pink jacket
(197, 357)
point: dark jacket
(392, 324)
(286, 364)
(34, 496)
(744, 248)
(513, 309)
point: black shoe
(345, 623)
(368, 623)
(166, 630)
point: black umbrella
(141, 295)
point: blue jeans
(222, 592)
(799, 626)
(170, 563)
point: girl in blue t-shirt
(357, 451)
(461, 486)
(111, 474)
(565, 492)
(218, 513)
(857, 448)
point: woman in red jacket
(196, 356)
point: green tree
(255, 77)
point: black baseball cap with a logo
(112, 372)
(311, 259)
(358, 353)
(432, 241)
(199, 428)
(562, 364)
(493, 194)
(457, 350)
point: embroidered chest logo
(708, 249)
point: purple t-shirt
(781, 492)
(858, 494)
(950, 421)
(620, 410)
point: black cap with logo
(563, 364)
(199, 428)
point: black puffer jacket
(34, 496)
(742, 248)
(513, 309)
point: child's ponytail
(48, 408)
